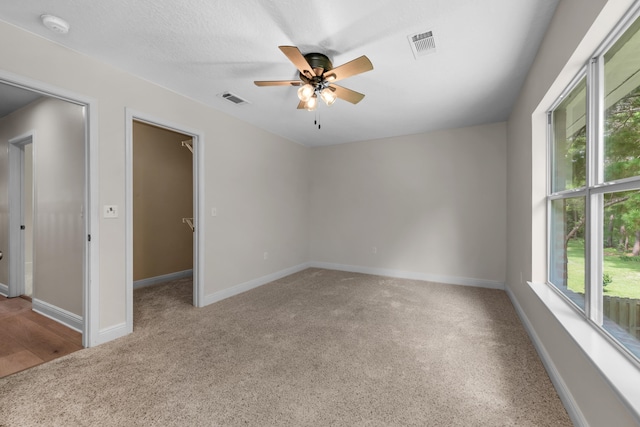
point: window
(594, 191)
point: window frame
(595, 187)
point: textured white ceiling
(201, 48)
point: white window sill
(617, 368)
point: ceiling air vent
(233, 98)
(422, 44)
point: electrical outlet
(374, 250)
(214, 212)
(266, 256)
(111, 211)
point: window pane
(569, 141)
(622, 107)
(567, 261)
(621, 268)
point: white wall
(575, 32)
(257, 181)
(432, 204)
(58, 176)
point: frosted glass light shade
(328, 96)
(312, 103)
(305, 92)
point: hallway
(28, 339)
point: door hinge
(89, 237)
(22, 227)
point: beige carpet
(318, 348)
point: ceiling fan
(317, 77)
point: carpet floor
(316, 348)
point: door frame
(198, 206)
(16, 259)
(91, 259)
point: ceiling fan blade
(301, 105)
(278, 83)
(357, 66)
(347, 94)
(294, 55)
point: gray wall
(432, 204)
(58, 175)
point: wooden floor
(28, 339)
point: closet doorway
(162, 206)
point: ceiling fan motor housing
(318, 61)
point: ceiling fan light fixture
(317, 75)
(311, 103)
(328, 96)
(305, 92)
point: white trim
(251, 284)
(198, 146)
(198, 208)
(4, 290)
(619, 371)
(150, 281)
(16, 211)
(92, 207)
(91, 285)
(563, 391)
(111, 333)
(128, 221)
(450, 280)
(58, 314)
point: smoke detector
(55, 24)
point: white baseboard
(112, 332)
(450, 280)
(58, 314)
(573, 410)
(163, 278)
(4, 290)
(251, 284)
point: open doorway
(162, 205)
(163, 233)
(50, 129)
(45, 217)
(52, 242)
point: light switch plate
(111, 211)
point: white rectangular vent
(422, 44)
(233, 98)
